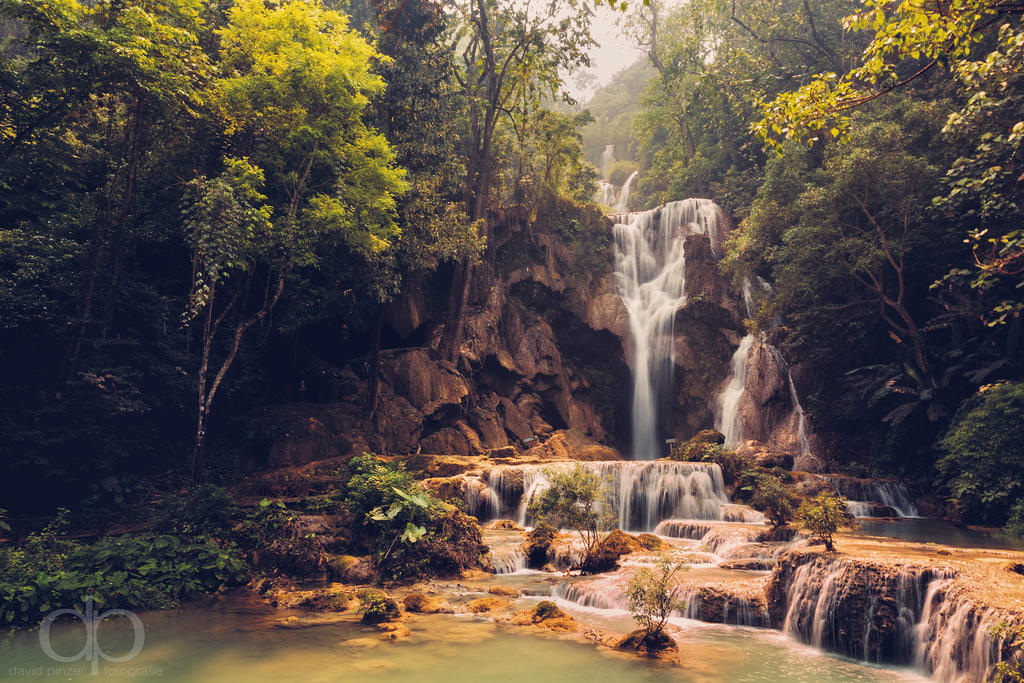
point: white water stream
(651, 279)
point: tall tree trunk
(373, 379)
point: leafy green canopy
(982, 466)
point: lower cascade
(641, 494)
(912, 616)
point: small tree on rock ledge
(574, 499)
(653, 595)
(822, 516)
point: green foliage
(374, 484)
(773, 498)
(620, 171)
(574, 499)
(147, 571)
(982, 463)
(377, 607)
(1010, 640)
(653, 595)
(206, 510)
(411, 531)
(822, 516)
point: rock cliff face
(541, 354)
(547, 338)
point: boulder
(428, 384)
(606, 553)
(546, 615)
(658, 644)
(351, 569)
(486, 605)
(425, 604)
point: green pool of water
(234, 639)
(922, 530)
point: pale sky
(613, 54)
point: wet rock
(332, 598)
(506, 524)
(486, 605)
(538, 541)
(311, 621)
(351, 569)
(650, 541)
(426, 604)
(750, 563)
(658, 645)
(392, 631)
(546, 615)
(505, 591)
(606, 553)
(378, 607)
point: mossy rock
(425, 604)
(606, 553)
(484, 605)
(537, 543)
(650, 541)
(546, 615)
(657, 644)
(378, 608)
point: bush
(777, 502)
(148, 571)
(620, 171)
(574, 499)
(373, 485)
(274, 540)
(409, 530)
(822, 516)
(652, 597)
(707, 446)
(982, 466)
(206, 510)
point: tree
(653, 595)
(982, 462)
(775, 500)
(822, 516)
(574, 499)
(294, 86)
(511, 55)
(910, 39)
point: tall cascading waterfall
(627, 188)
(650, 279)
(640, 494)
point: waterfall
(640, 494)
(650, 279)
(900, 615)
(865, 495)
(627, 188)
(728, 419)
(605, 193)
(607, 159)
(727, 409)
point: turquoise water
(234, 639)
(923, 530)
